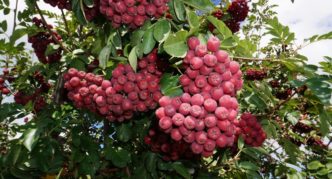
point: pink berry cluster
(253, 74)
(132, 13)
(251, 130)
(116, 99)
(61, 4)
(203, 116)
(171, 150)
(41, 40)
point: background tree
(160, 89)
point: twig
(58, 89)
(65, 21)
(128, 172)
(49, 30)
(15, 14)
(281, 103)
(174, 25)
(254, 59)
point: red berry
(193, 42)
(201, 137)
(189, 122)
(197, 99)
(185, 108)
(221, 141)
(221, 113)
(165, 123)
(196, 148)
(178, 119)
(196, 63)
(213, 44)
(210, 60)
(214, 133)
(210, 145)
(210, 105)
(201, 50)
(210, 121)
(176, 135)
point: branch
(15, 14)
(58, 89)
(281, 103)
(49, 30)
(65, 21)
(254, 59)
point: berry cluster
(284, 94)
(61, 4)
(251, 130)
(38, 101)
(3, 89)
(117, 99)
(253, 74)
(41, 40)
(91, 13)
(300, 127)
(132, 13)
(238, 10)
(203, 116)
(168, 148)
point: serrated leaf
(175, 45)
(161, 30)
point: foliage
(292, 102)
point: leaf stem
(49, 30)
(15, 15)
(65, 21)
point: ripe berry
(210, 121)
(196, 148)
(210, 60)
(193, 42)
(210, 105)
(201, 137)
(189, 122)
(201, 50)
(197, 99)
(178, 119)
(176, 135)
(196, 63)
(165, 123)
(213, 44)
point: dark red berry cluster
(89, 12)
(254, 74)
(300, 127)
(316, 142)
(171, 150)
(203, 116)
(238, 10)
(117, 99)
(41, 40)
(61, 4)
(251, 130)
(36, 97)
(3, 88)
(283, 94)
(132, 13)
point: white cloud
(307, 18)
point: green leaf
(181, 169)
(325, 121)
(194, 22)
(3, 26)
(205, 5)
(148, 41)
(119, 157)
(175, 45)
(136, 37)
(78, 11)
(240, 143)
(248, 166)
(18, 33)
(14, 154)
(320, 88)
(161, 30)
(132, 58)
(293, 117)
(51, 49)
(169, 85)
(88, 3)
(221, 27)
(180, 10)
(104, 55)
(124, 132)
(30, 138)
(314, 165)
